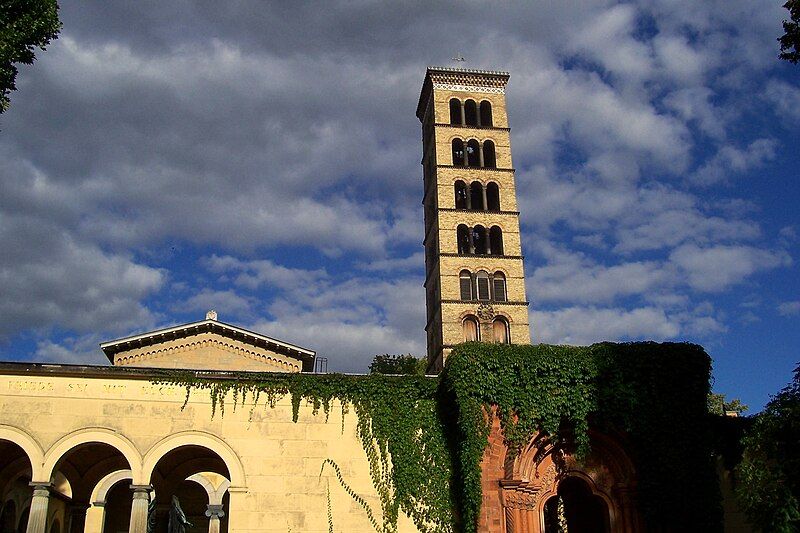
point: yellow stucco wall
(274, 462)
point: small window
(483, 285)
(486, 113)
(479, 240)
(499, 287)
(461, 195)
(455, 111)
(476, 195)
(496, 240)
(458, 153)
(471, 329)
(471, 113)
(489, 158)
(465, 281)
(473, 153)
(500, 331)
(462, 236)
(492, 196)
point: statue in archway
(177, 518)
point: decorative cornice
(444, 125)
(482, 256)
(477, 168)
(459, 79)
(478, 211)
(493, 302)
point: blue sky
(162, 159)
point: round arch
(29, 445)
(195, 438)
(100, 490)
(97, 434)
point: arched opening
(473, 153)
(15, 491)
(458, 153)
(76, 474)
(499, 287)
(471, 329)
(463, 238)
(489, 158)
(483, 285)
(471, 113)
(455, 111)
(479, 240)
(171, 486)
(465, 284)
(476, 196)
(462, 200)
(500, 330)
(496, 240)
(486, 113)
(492, 196)
(118, 507)
(575, 505)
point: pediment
(209, 345)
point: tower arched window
(496, 240)
(473, 153)
(458, 153)
(479, 240)
(482, 281)
(500, 330)
(462, 200)
(463, 238)
(486, 113)
(492, 196)
(499, 287)
(466, 285)
(455, 111)
(471, 330)
(471, 113)
(476, 195)
(489, 157)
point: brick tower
(474, 277)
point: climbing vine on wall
(425, 437)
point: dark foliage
(790, 41)
(398, 364)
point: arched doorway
(171, 478)
(575, 509)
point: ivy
(424, 438)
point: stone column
(463, 114)
(483, 190)
(214, 513)
(139, 507)
(37, 519)
(480, 155)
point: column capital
(141, 491)
(215, 511)
(41, 489)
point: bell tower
(474, 277)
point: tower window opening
(462, 199)
(500, 331)
(455, 111)
(492, 196)
(483, 285)
(479, 240)
(458, 153)
(496, 240)
(471, 329)
(486, 113)
(476, 195)
(471, 113)
(489, 157)
(463, 238)
(465, 283)
(499, 287)
(473, 153)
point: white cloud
(585, 325)
(716, 268)
(789, 308)
(730, 161)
